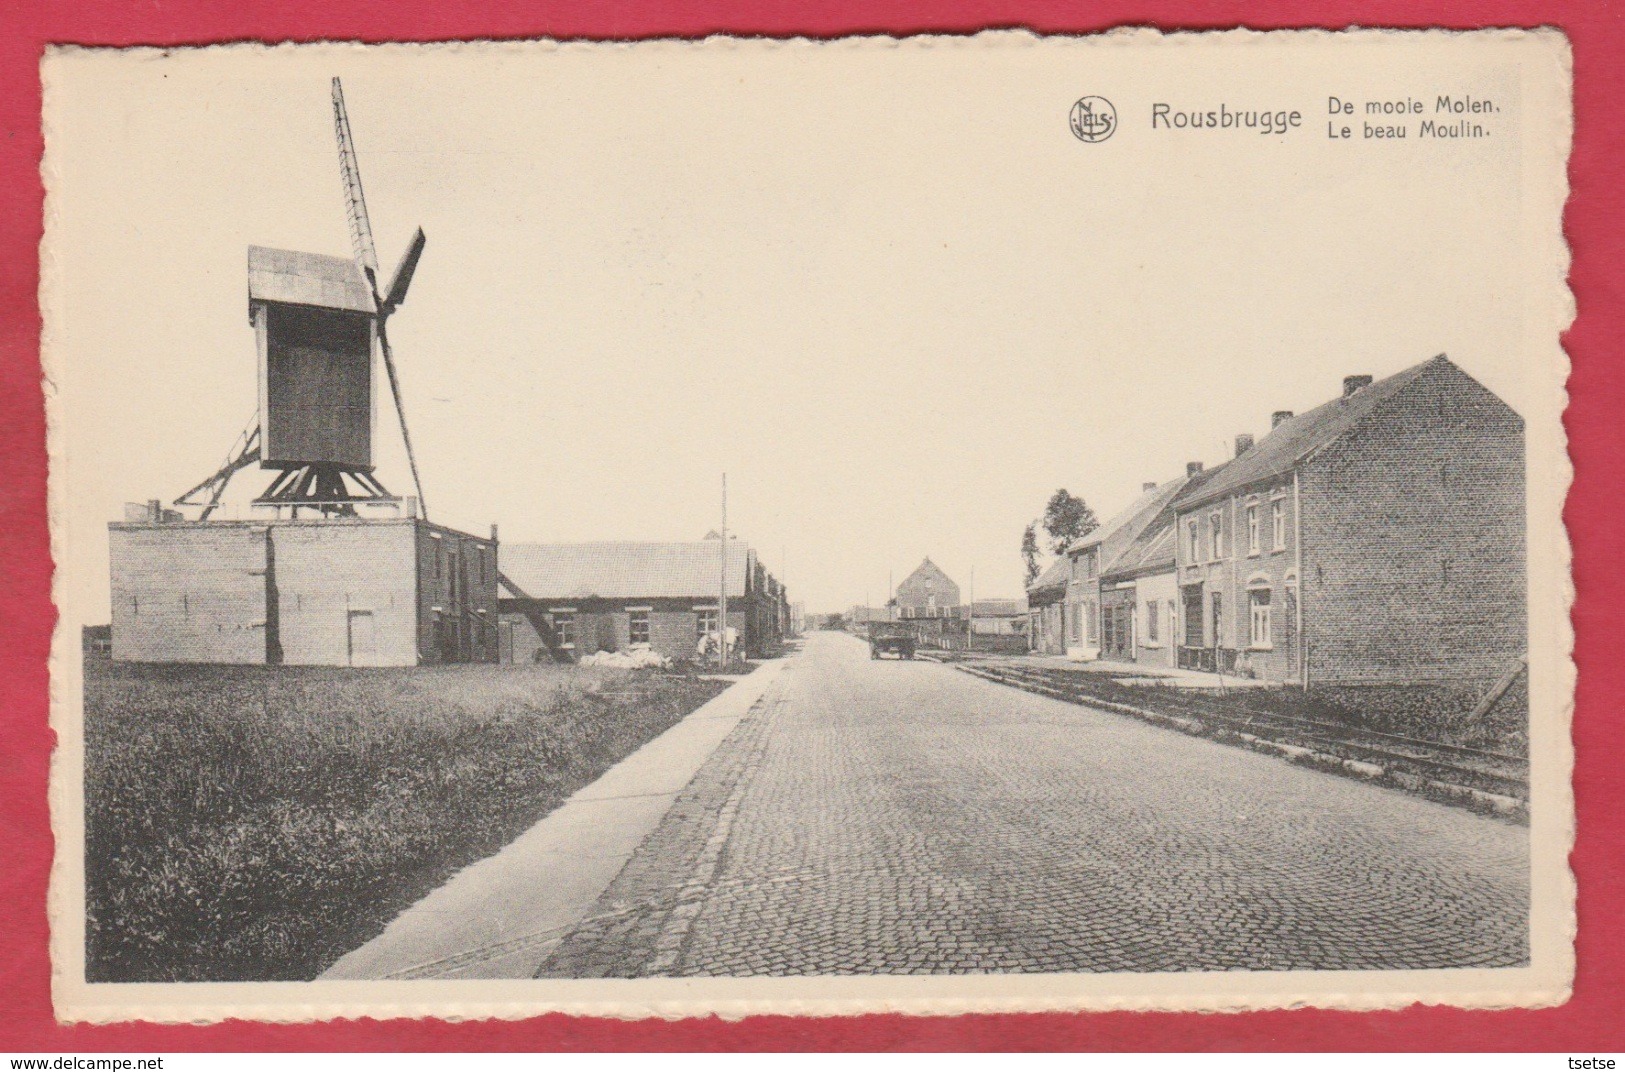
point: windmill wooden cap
(290, 277)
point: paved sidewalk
(501, 917)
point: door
(363, 638)
(1193, 616)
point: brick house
(1377, 539)
(928, 592)
(1138, 593)
(328, 592)
(1139, 588)
(1084, 631)
(565, 601)
(1046, 625)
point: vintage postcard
(995, 522)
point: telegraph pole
(970, 612)
(722, 589)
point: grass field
(260, 822)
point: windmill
(316, 319)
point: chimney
(411, 506)
(1192, 468)
(1278, 416)
(1149, 485)
(1352, 384)
(493, 532)
(1244, 443)
(155, 510)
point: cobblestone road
(901, 817)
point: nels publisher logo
(1093, 119)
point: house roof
(294, 278)
(928, 572)
(1154, 548)
(1055, 575)
(1134, 516)
(998, 608)
(1295, 438)
(622, 570)
(1152, 552)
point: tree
(1067, 519)
(1029, 552)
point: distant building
(998, 617)
(859, 617)
(1379, 538)
(927, 593)
(324, 592)
(567, 600)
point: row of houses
(1377, 539)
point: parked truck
(891, 638)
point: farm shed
(567, 600)
(327, 592)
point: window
(638, 626)
(1196, 542)
(1075, 624)
(1252, 530)
(1089, 564)
(705, 623)
(1093, 626)
(1215, 524)
(1278, 524)
(1259, 602)
(564, 628)
(1151, 630)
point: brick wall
(331, 593)
(187, 593)
(606, 625)
(1269, 573)
(1414, 540)
(346, 593)
(457, 595)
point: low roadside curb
(499, 918)
(1443, 792)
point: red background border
(1593, 1020)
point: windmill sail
(366, 255)
(355, 202)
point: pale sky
(883, 287)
